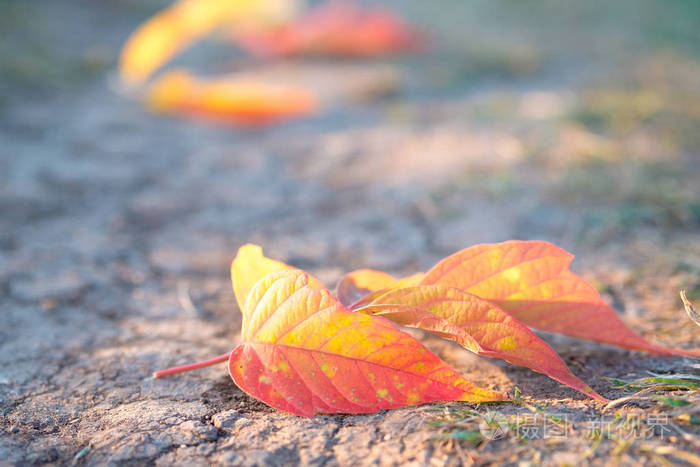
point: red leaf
(303, 352)
(531, 280)
(477, 325)
(337, 28)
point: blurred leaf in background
(227, 100)
(173, 29)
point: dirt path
(118, 228)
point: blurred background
(576, 123)
(568, 121)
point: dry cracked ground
(572, 123)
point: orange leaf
(228, 100)
(358, 284)
(303, 352)
(171, 30)
(531, 280)
(337, 28)
(477, 325)
(250, 265)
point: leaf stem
(191, 366)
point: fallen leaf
(335, 28)
(475, 324)
(227, 100)
(531, 280)
(303, 352)
(173, 29)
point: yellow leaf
(171, 30)
(250, 265)
(227, 100)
